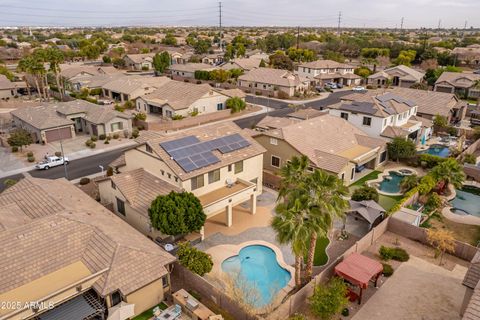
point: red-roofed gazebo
(359, 270)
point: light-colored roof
(458, 79)
(179, 95)
(65, 226)
(393, 132)
(140, 57)
(407, 215)
(243, 63)
(403, 72)
(308, 113)
(235, 92)
(472, 277)
(6, 84)
(41, 117)
(140, 188)
(191, 67)
(71, 70)
(325, 64)
(204, 133)
(328, 141)
(425, 122)
(276, 77)
(428, 102)
(368, 209)
(270, 122)
(130, 84)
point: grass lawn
(149, 313)
(388, 201)
(320, 258)
(372, 175)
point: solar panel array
(192, 154)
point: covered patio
(359, 270)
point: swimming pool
(258, 267)
(438, 150)
(467, 201)
(391, 183)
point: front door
(94, 130)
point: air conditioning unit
(191, 304)
(229, 182)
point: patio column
(253, 203)
(229, 215)
(202, 233)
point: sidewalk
(323, 95)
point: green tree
(427, 183)
(440, 121)
(161, 61)
(235, 104)
(169, 40)
(328, 300)
(202, 46)
(20, 138)
(400, 148)
(279, 60)
(335, 56)
(406, 57)
(262, 64)
(449, 172)
(177, 213)
(374, 53)
(55, 57)
(365, 193)
(240, 50)
(229, 53)
(409, 182)
(470, 159)
(3, 70)
(34, 67)
(106, 59)
(363, 72)
(193, 259)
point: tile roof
(140, 57)
(458, 79)
(308, 113)
(473, 309)
(71, 70)
(393, 132)
(191, 67)
(205, 133)
(270, 122)
(140, 188)
(41, 117)
(472, 277)
(64, 225)
(130, 84)
(243, 63)
(235, 92)
(277, 77)
(325, 64)
(6, 84)
(404, 73)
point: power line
(339, 21)
(220, 23)
(401, 25)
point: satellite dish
(168, 247)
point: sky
(322, 13)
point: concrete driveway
(418, 290)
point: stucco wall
(147, 297)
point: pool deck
(386, 172)
(455, 217)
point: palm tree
(293, 174)
(409, 182)
(449, 172)
(32, 66)
(55, 57)
(327, 201)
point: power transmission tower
(339, 21)
(298, 35)
(220, 24)
(401, 25)
(439, 24)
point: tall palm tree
(55, 57)
(293, 175)
(449, 172)
(32, 66)
(327, 201)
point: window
(120, 206)
(353, 174)
(391, 120)
(238, 167)
(310, 169)
(176, 179)
(384, 122)
(162, 172)
(367, 121)
(148, 148)
(343, 176)
(273, 141)
(383, 156)
(214, 176)
(116, 126)
(116, 298)
(344, 115)
(169, 175)
(275, 162)
(165, 281)
(197, 182)
(229, 168)
(114, 187)
(219, 106)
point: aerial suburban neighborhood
(240, 160)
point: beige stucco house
(138, 62)
(330, 143)
(462, 84)
(323, 71)
(7, 88)
(220, 164)
(65, 254)
(187, 70)
(401, 76)
(123, 89)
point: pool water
(438, 150)
(467, 201)
(391, 183)
(258, 268)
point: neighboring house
(398, 76)
(469, 55)
(430, 103)
(234, 93)
(76, 74)
(187, 70)
(62, 248)
(139, 62)
(273, 81)
(8, 89)
(218, 163)
(368, 210)
(213, 59)
(179, 98)
(130, 88)
(465, 85)
(63, 120)
(305, 114)
(385, 115)
(245, 64)
(323, 71)
(470, 309)
(329, 142)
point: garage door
(58, 134)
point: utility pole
(339, 21)
(401, 25)
(298, 35)
(464, 29)
(220, 24)
(439, 24)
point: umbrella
(121, 311)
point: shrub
(14, 149)
(430, 160)
(434, 201)
(135, 133)
(94, 138)
(9, 182)
(119, 108)
(116, 136)
(258, 93)
(106, 142)
(365, 193)
(398, 254)
(96, 91)
(108, 138)
(194, 113)
(93, 145)
(29, 154)
(345, 312)
(102, 137)
(88, 143)
(282, 95)
(193, 259)
(84, 181)
(427, 183)
(470, 158)
(387, 270)
(235, 104)
(58, 154)
(297, 316)
(31, 159)
(328, 300)
(177, 117)
(141, 116)
(109, 171)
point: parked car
(319, 89)
(359, 89)
(339, 85)
(50, 162)
(331, 85)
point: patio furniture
(171, 313)
(359, 270)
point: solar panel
(179, 143)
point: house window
(275, 162)
(214, 176)
(383, 156)
(121, 207)
(197, 182)
(353, 174)
(176, 179)
(310, 169)
(238, 167)
(116, 298)
(169, 175)
(367, 121)
(117, 126)
(273, 141)
(162, 172)
(384, 122)
(165, 281)
(114, 187)
(343, 176)
(219, 106)
(229, 168)
(148, 148)
(391, 120)
(344, 115)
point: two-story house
(386, 115)
(220, 164)
(323, 71)
(401, 76)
